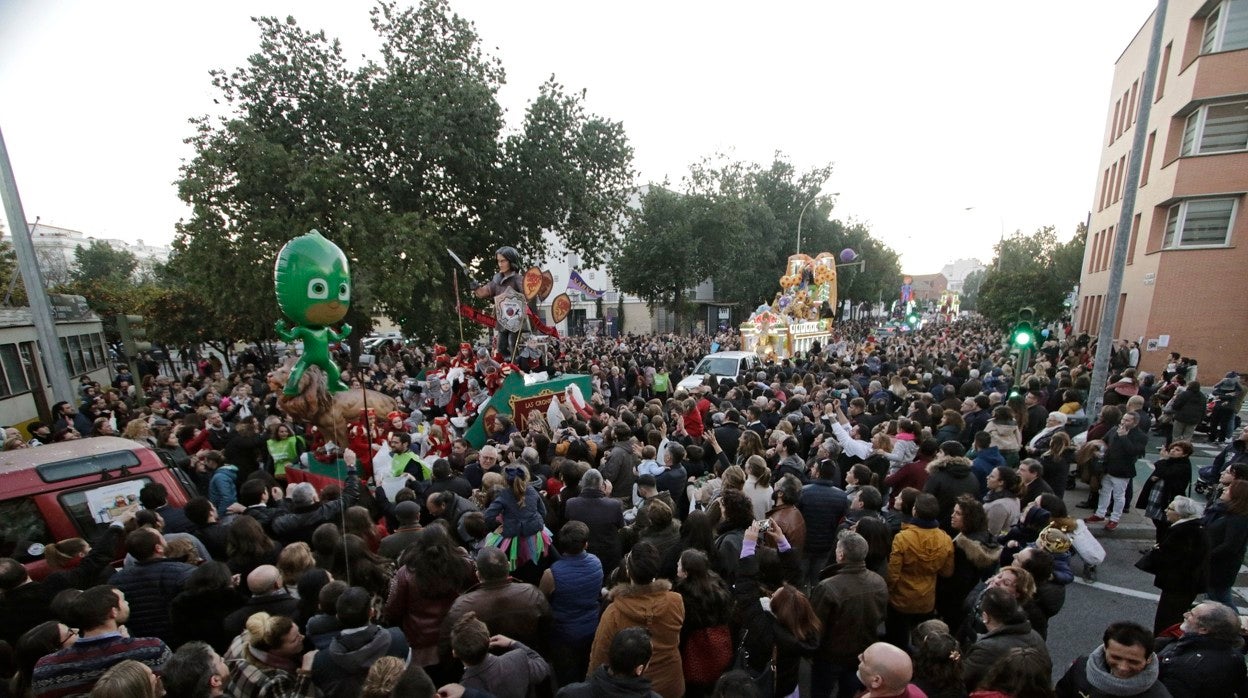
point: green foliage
(10, 277)
(393, 161)
(736, 223)
(101, 262)
(1030, 270)
(970, 289)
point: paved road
(1121, 592)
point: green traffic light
(1022, 338)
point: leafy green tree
(393, 161)
(970, 289)
(1030, 270)
(771, 200)
(100, 261)
(674, 243)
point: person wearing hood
(340, 669)
(921, 551)
(1124, 666)
(1008, 628)
(623, 676)
(950, 477)
(985, 458)
(641, 599)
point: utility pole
(1118, 262)
(40, 307)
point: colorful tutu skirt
(522, 549)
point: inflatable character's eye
(344, 292)
(318, 290)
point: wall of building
(1181, 293)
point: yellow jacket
(919, 554)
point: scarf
(1099, 676)
(994, 495)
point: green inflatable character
(313, 283)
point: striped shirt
(76, 668)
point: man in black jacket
(1123, 447)
(307, 511)
(622, 676)
(1206, 661)
(822, 504)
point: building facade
(929, 287)
(54, 248)
(1188, 237)
(957, 271)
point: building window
(1226, 27)
(1199, 223)
(1216, 128)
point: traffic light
(912, 319)
(1024, 334)
(133, 331)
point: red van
(74, 489)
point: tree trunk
(676, 312)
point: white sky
(925, 108)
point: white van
(721, 364)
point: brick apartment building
(1188, 247)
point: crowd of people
(886, 510)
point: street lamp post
(803, 213)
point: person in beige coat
(642, 600)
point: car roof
(730, 354)
(29, 458)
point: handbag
(1147, 563)
(707, 654)
(764, 679)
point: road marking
(1119, 590)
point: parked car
(75, 489)
(721, 364)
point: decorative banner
(548, 285)
(532, 282)
(560, 307)
(576, 282)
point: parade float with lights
(802, 311)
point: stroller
(1206, 481)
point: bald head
(885, 669)
(263, 579)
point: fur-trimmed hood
(951, 464)
(981, 551)
(628, 589)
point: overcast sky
(926, 109)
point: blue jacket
(150, 587)
(574, 605)
(223, 488)
(518, 521)
(983, 464)
(823, 505)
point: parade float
(801, 313)
(461, 394)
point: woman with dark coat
(975, 556)
(789, 630)
(1227, 525)
(1171, 476)
(1179, 563)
